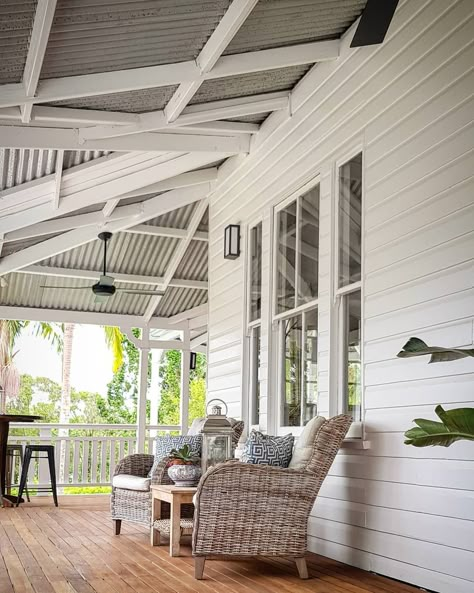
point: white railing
(90, 457)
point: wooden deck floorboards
(72, 550)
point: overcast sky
(91, 359)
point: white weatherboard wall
(403, 512)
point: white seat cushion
(304, 445)
(131, 482)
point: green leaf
(416, 347)
(455, 425)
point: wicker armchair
(135, 505)
(257, 510)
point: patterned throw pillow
(264, 449)
(164, 446)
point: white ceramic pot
(185, 475)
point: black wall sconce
(232, 241)
(192, 361)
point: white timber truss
(156, 162)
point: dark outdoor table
(5, 420)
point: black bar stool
(14, 452)
(29, 450)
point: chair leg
(302, 568)
(117, 526)
(199, 562)
(21, 466)
(52, 474)
(24, 475)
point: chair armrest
(138, 464)
(247, 509)
(160, 472)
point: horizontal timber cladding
(403, 512)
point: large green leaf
(416, 347)
(455, 425)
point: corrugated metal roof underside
(16, 22)
(130, 101)
(276, 23)
(18, 166)
(177, 300)
(230, 87)
(89, 36)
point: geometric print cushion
(263, 449)
(164, 445)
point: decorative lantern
(216, 436)
(232, 241)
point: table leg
(155, 515)
(175, 527)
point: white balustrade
(89, 460)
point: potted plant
(183, 467)
(455, 425)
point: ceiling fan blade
(100, 299)
(374, 22)
(68, 287)
(139, 291)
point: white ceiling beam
(224, 127)
(193, 313)
(71, 87)
(160, 231)
(71, 239)
(198, 340)
(42, 23)
(92, 275)
(67, 117)
(109, 207)
(58, 176)
(178, 255)
(120, 178)
(63, 139)
(183, 180)
(194, 114)
(223, 34)
(198, 323)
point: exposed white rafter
(92, 275)
(109, 207)
(63, 139)
(36, 51)
(150, 209)
(160, 231)
(194, 313)
(58, 177)
(198, 340)
(70, 87)
(223, 34)
(182, 180)
(178, 255)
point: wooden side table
(176, 496)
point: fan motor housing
(103, 289)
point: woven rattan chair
(135, 505)
(243, 509)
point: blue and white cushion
(263, 449)
(164, 446)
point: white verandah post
(141, 403)
(184, 401)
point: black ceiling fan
(105, 288)
(374, 22)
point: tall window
(295, 306)
(254, 320)
(348, 288)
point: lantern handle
(217, 400)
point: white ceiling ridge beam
(67, 223)
(102, 83)
(57, 272)
(150, 209)
(41, 29)
(193, 114)
(119, 180)
(213, 49)
(161, 231)
(178, 255)
(68, 139)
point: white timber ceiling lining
(144, 129)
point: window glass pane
(310, 365)
(286, 258)
(255, 272)
(350, 209)
(352, 354)
(292, 364)
(255, 374)
(308, 246)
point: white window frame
(252, 374)
(277, 318)
(338, 354)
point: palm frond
(113, 339)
